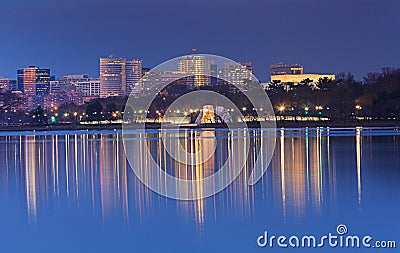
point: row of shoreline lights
(318, 108)
(280, 108)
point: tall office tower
(112, 77)
(236, 73)
(43, 82)
(213, 73)
(286, 69)
(34, 81)
(197, 66)
(133, 75)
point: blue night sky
(325, 36)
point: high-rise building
(34, 81)
(213, 73)
(112, 77)
(133, 75)
(68, 82)
(236, 74)
(198, 67)
(88, 88)
(286, 69)
(55, 86)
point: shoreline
(279, 124)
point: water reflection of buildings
(304, 172)
(91, 170)
(75, 168)
(307, 176)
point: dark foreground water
(75, 192)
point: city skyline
(124, 74)
(339, 36)
(136, 63)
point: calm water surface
(75, 192)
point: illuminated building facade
(286, 69)
(197, 66)
(213, 73)
(248, 66)
(55, 86)
(67, 83)
(89, 87)
(112, 77)
(56, 99)
(8, 84)
(133, 75)
(34, 81)
(302, 77)
(236, 74)
(294, 73)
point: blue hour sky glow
(325, 36)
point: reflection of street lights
(358, 109)
(306, 109)
(75, 117)
(319, 108)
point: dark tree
(94, 110)
(39, 117)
